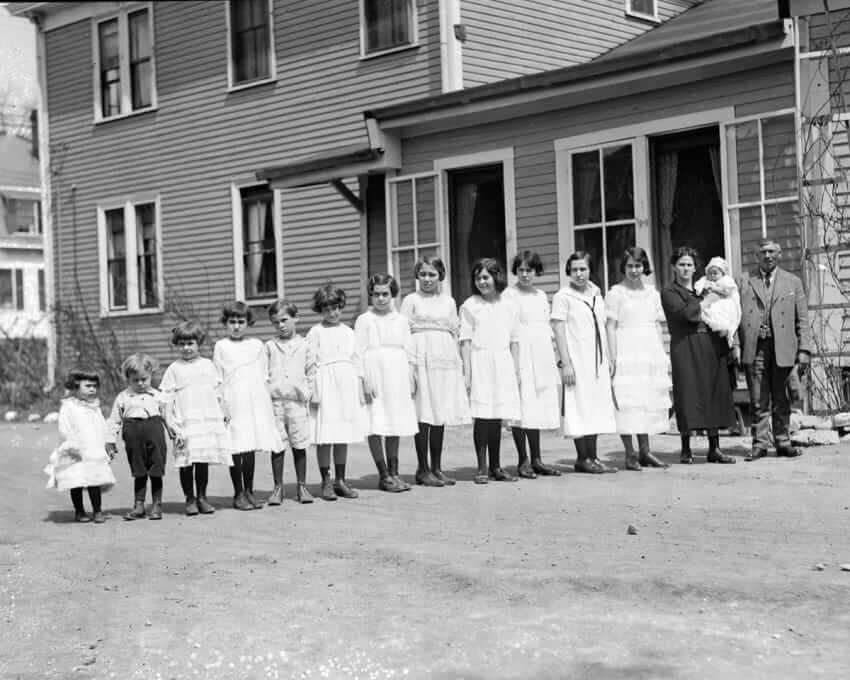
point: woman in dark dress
(702, 393)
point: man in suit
(774, 335)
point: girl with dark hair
(242, 363)
(538, 370)
(81, 461)
(702, 391)
(489, 334)
(440, 397)
(578, 319)
(383, 338)
(639, 365)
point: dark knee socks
(519, 441)
(277, 468)
(479, 439)
(156, 489)
(187, 482)
(140, 488)
(533, 444)
(429, 437)
(202, 476)
(435, 439)
(300, 458)
(420, 441)
(248, 471)
(77, 499)
(236, 474)
(487, 437)
(94, 497)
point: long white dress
(440, 392)
(244, 388)
(642, 378)
(491, 327)
(339, 417)
(384, 342)
(81, 458)
(588, 405)
(191, 389)
(539, 377)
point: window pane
(7, 296)
(747, 156)
(110, 68)
(250, 31)
(116, 252)
(643, 6)
(783, 225)
(19, 289)
(780, 157)
(426, 218)
(619, 183)
(42, 292)
(259, 254)
(617, 239)
(404, 212)
(587, 202)
(590, 241)
(750, 225)
(146, 254)
(140, 59)
(403, 263)
(388, 24)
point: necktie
(767, 281)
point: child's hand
(368, 391)
(568, 375)
(111, 451)
(179, 441)
(467, 381)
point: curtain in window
(140, 59)
(116, 262)
(667, 172)
(110, 68)
(146, 254)
(259, 252)
(387, 24)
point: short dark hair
(79, 373)
(237, 308)
(500, 281)
(187, 330)
(685, 251)
(328, 295)
(431, 261)
(530, 258)
(279, 306)
(578, 255)
(638, 254)
(383, 279)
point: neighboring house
(159, 115)
(22, 289)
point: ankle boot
(156, 506)
(632, 461)
(138, 511)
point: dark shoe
(81, 517)
(686, 457)
(428, 478)
(328, 490)
(589, 466)
(240, 502)
(544, 470)
(138, 511)
(499, 475)
(444, 478)
(389, 484)
(632, 463)
(788, 451)
(717, 456)
(277, 496)
(191, 507)
(524, 470)
(605, 468)
(204, 506)
(649, 460)
(156, 510)
(755, 454)
(98, 517)
(342, 490)
(404, 485)
(481, 478)
(303, 495)
(249, 495)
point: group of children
(397, 373)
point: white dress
(491, 327)
(539, 377)
(81, 458)
(642, 378)
(244, 389)
(440, 392)
(339, 417)
(191, 388)
(384, 342)
(588, 405)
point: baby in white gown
(721, 303)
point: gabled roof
(18, 168)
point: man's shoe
(788, 452)
(717, 456)
(755, 454)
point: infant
(721, 303)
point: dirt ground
(537, 579)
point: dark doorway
(476, 222)
(687, 207)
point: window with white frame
(643, 9)
(256, 230)
(130, 238)
(386, 25)
(124, 74)
(12, 289)
(250, 41)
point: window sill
(391, 50)
(643, 17)
(132, 114)
(261, 302)
(249, 85)
(120, 313)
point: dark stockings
(713, 441)
(140, 487)
(340, 454)
(277, 468)
(94, 497)
(585, 447)
(201, 474)
(300, 459)
(487, 437)
(377, 445)
(242, 472)
(522, 434)
(429, 437)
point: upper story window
(124, 75)
(643, 9)
(250, 42)
(19, 216)
(386, 25)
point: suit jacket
(789, 316)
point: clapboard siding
(529, 36)
(202, 138)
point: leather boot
(138, 511)
(156, 505)
(632, 462)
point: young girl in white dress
(192, 387)
(539, 378)
(244, 387)
(81, 461)
(578, 319)
(638, 361)
(440, 397)
(337, 417)
(383, 339)
(489, 334)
